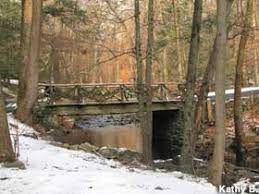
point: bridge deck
(94, 99)
(108, 108)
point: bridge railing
(102, 93)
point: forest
(129, 96)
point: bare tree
(28, 84)
(24, 44)
(238, 112)
(206, 82)
(216, 168)
(256, 57)
(25, 23)
(187, 149)
(179, 50)
(147, 133)
(6, 149)
(139, 63)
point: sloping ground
(250, 137)
(54, 170)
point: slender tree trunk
(139, 63)
(204, 90)
(147, 133)
(164, 70)
(187, 149)
(6, 149)
(206, 82)
(238, 112)
(180, 62)
(24, 45)
(25, 23)
(255, 42)
(239, 10)
(216, 168)
(28, 84)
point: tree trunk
(147, 133)
(139, 63)
(6, 149)
(255, 40)
(28, 83)
(238, 112)
(216, 168)
(25, 23)
(204, 89)
(180, 61)
(187, 149)
(164, 69)
(24, 45)
(206, 82)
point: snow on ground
(54, 170)
(14, 81)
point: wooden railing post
(122, 92)
(162, 91)
(51, 94)
(77, 93)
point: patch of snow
(163, 161)
(54, 170)
(14, 81)
(11, 105)
(15, 125)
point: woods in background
(94, 42)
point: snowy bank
(54, 170)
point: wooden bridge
(93, 99)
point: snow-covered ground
(54, 170)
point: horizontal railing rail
(104, 92)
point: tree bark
(28, 83)
(6, 149)
(216, 168)
(147, 133)
(24, 45)
(139, 63)
(238, 112)
(187, 149)
(255, 40)
(180, 61)
(25, 23)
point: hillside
(55, 170)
